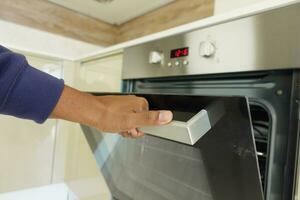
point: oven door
(207, 152)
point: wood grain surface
(174, 14)
(46, 16)
(43, 15)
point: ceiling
(115, 12)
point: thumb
(149, 118)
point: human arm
(31, 94)
(26, 92)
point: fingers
(125, 134)
(149, 118)
(140, 104)
(121, 114)
(125, 103)
(136, 104)
(133, 133)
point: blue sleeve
(26, 92)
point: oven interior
(261, 124)
(183, 107)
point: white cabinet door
(100, 75)
(50, 66)
(75, 164)
(26, 152)
(222, 6)
(26, 148)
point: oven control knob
(207, 49)
(155, 57)
(177, 63)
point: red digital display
(182, 52)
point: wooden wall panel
(43, 15)
(174, 14)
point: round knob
(207, 49)
(177, 63)
(155, 57)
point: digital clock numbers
(177, 53)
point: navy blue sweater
(26, 92)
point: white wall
(27, 39)
(222, 6)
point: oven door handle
(191, 131)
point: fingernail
(165, 116)
(140, 134)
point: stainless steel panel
(191, 131)
(222, 165)
(266, 41)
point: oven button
(177, 63)
(185, 62)
(169, 64)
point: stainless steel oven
(234, 91)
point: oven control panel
(242, 45)
(177, 63)
(179, 57)
(173, 58)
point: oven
(234, 91)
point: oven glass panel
(221, 165)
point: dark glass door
(220, 165)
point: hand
(124, 114)
(119, 114)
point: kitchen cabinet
(49, 192)
(75, 165)
(222, 6)
(74, 160)
(26, 151)
(53, 67)
(100, 74)
(27, 148)
(34, 155)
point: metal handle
(191, 131)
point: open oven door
(208, 152)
